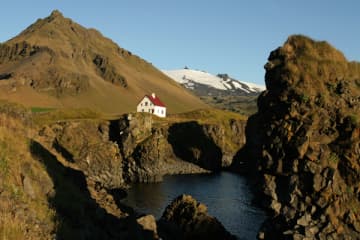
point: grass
(4, 167)
(10, 227)
(334, 158)
(65, 115)
(204, 116)
(15, 163)
(41, 109)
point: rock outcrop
(41, 198)
(152, 148)
(142, 148)
(86, 145)
(303, 145)
(188, 219)
(64, 179)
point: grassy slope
(74, 47)
(24, 209)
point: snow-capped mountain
(203, 83)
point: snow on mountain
(207, 84)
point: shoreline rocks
(185, 218)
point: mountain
(220, 90)
(203, 83)
(56, 62)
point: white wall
(160, 111)
(147, 106)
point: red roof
(156, 101)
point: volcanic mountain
(220, 91)
(56, 62)
(203, 83)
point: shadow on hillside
(78, 215)
(190, 143)
(65, 153)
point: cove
(227, 195)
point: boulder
(192, 219)
(148, 225)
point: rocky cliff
(303, 145)
(152, 147)
(43, 197)
(143, 148)
(64, 179)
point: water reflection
(227, 196)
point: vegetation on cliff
(25, 186)
(303, 144)
(41, 197)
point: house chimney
(153, 95)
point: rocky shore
(64, 178)
(105, 156)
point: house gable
(152, 104)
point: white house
(152, 104)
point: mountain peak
(56, 59)
(56, 13)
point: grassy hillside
(25, 186)
(57, 63)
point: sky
(217, 36)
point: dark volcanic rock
(151, 149)
(145, 149)
(190, 142)
(86, 145)
(189, 219)
(303, 145)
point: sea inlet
(227, 195)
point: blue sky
(227, 36)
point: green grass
(65, 115)
(41, 109)
(207, 116)
(43, 115)
(334, 158)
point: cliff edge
(303, 145)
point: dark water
(226, 195)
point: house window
(142, 110)
(162, 111)
(149, 110)
(146, 103)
